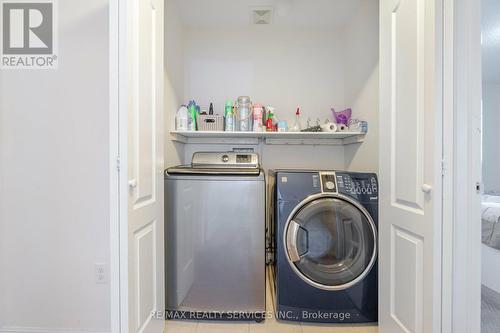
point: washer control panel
(225, 160)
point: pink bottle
(258, 112)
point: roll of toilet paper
(329, 127)
(342, 128)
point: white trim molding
(114, 162)
(45, 330)
(120, 39)
(462, 168)
(447, 168)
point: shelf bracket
(353, 139)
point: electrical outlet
(101, 276)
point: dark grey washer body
(327, 272)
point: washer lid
(219, 163)
(189, 170)
(331, 242)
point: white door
(410, 166)
(145, 165)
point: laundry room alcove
(314, 55)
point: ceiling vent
(262, 15)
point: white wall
(282, 156)
(490, 267)
(54, 182)
(279, 67)
(491, 126)
(283, 68)
(362, 83)
(174, 78)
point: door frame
(118, 171)
(461, 281)
(119, 187)
(460, 302)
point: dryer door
(331, 242)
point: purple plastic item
(342, 117)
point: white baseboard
(45, 330)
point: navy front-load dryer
(325, 241)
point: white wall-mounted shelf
(277, 138)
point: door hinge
(443, 167)
(118, 163)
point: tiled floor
(268, 326)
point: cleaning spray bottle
(269, 121)
(297, 127)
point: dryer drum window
(331, 243)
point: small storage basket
(210, 123)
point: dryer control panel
(358, 185)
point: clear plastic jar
(244, 114)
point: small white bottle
(181, 119)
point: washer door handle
(291, 240)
